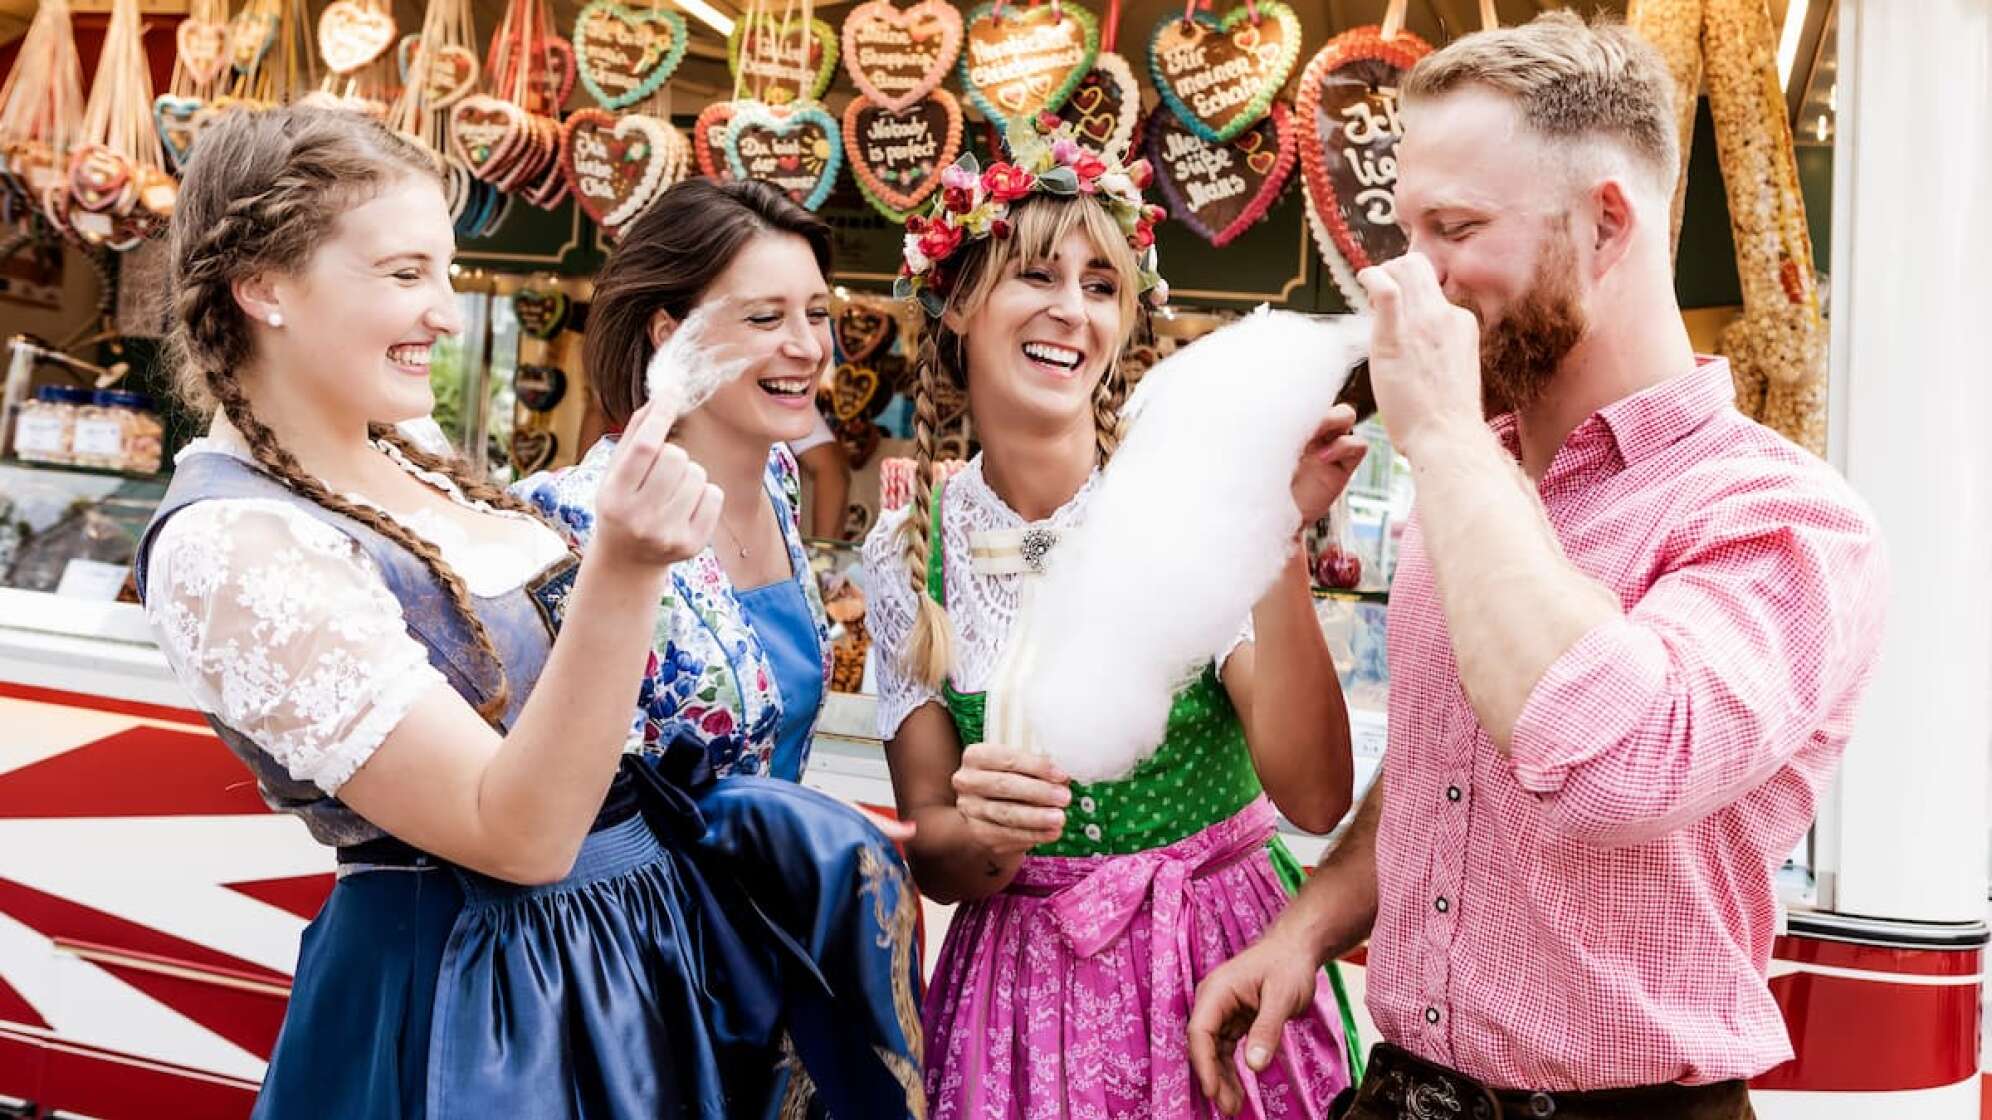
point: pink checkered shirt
(1598, 910)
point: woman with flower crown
(1086, 913)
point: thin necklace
(736, 537)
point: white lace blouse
(981, 606)
(281, 627)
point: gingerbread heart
(540, 388)
(1105, 108)
(1219, 189)
(896, 56)
(251, 33)
(203, 46)
(448, 73)
(797, 148)
(553, 82)
(625, 54)
(175, 117)
(350, 36)
(616, 165)
(862, 331)
(852, 388)
(542, 314)
(1348, 129)
(709, 140)
(533, 451)
(100, 179)
(486, 131)
(861, 438)
(1220, 75)
(782, 62)
(1019, 63)
(898, 157)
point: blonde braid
(930, 647)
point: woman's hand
(1012, 800)
(1327, 463)
(654, 507)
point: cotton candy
(685, 372)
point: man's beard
(1520, 353)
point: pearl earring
(276, 319)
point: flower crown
(974, 203)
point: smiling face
(1047, 318)
(362, 312)
(776, 317)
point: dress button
(1442, 905)
(1431, 1014)
(1088, 805)
(1092, 832)
(1542, 1104)
(1452, 793)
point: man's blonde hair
(1573, 83)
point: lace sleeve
(280, 627)
(890, 608)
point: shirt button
(1452, 793)
(1088, 805)
(1092, 832)
(1431, 1014)
(1442, 904)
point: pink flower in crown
(1140, 174)
(1144, 235)
(957, 177)
(1089, 168)
(1006, 182)
(1066, 150)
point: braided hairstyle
(262, 192)
(1039, 224)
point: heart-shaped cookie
(896, 56)
(203, 46)
(553, 81)
(100, 179)
(542, 314)
(1348, 128)
(350, 36)
(860, 437)
(618, 165)
(485, 131)
(862, 330)
(797, 148)
(175, 118)
(852, 388)
(540, 388)
(533, 451)
(1219, 189)
(1021, 62)
(782, 61)
(1105, 108)
(448, 73)
(897, 157)
(709, 140)
(251, 33)
(1220, 75)
(624, 54)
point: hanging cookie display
(540, 388)
(897, 156)
(511, 137)
(533, 449)
(118, 191)
(618, 165)
(709, 140)
(542, 313)
(41, 117)
(796, 147)
(862, 330)
(1105, 107)
(1220, 189)
(897, 56)
(781, 60)
(1348, 129)
(624, 53)
(1219, 75)
(1016, 64)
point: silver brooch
(1036, 545)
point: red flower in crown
(958, 200)
(1140, 174)
(999, 229)
(1006, 182)
(1144, 235)
(1048, 122)
(1088, 167)
(939, 240)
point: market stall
(150, 906)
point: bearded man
(1627, 636)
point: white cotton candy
(685, 372)
(1188, 530)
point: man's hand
(1424, 353)
(1251, 996)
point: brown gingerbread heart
(533, 451)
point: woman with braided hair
(1086, 912)
(524, 923)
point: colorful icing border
(1087, 20)
(887, 200)
(1269, 192)
(952, 34)
(1253, 111)
(680, 41)
(783, 120)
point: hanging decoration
(897, 56)
(1221, 188)
(1348, 129)
(510, 138)
(709, 140)
(439, 69)
(1220, 74)
(862, 330)
(1105, 107)
(200, 58)
(1016, 64)
(618, 165)
(352, 33)
(442, 73)
(119, 191)
(41, 116)
(782, 60)
(797, 147)
(625, 54)
(897, 157)
(272, 59)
